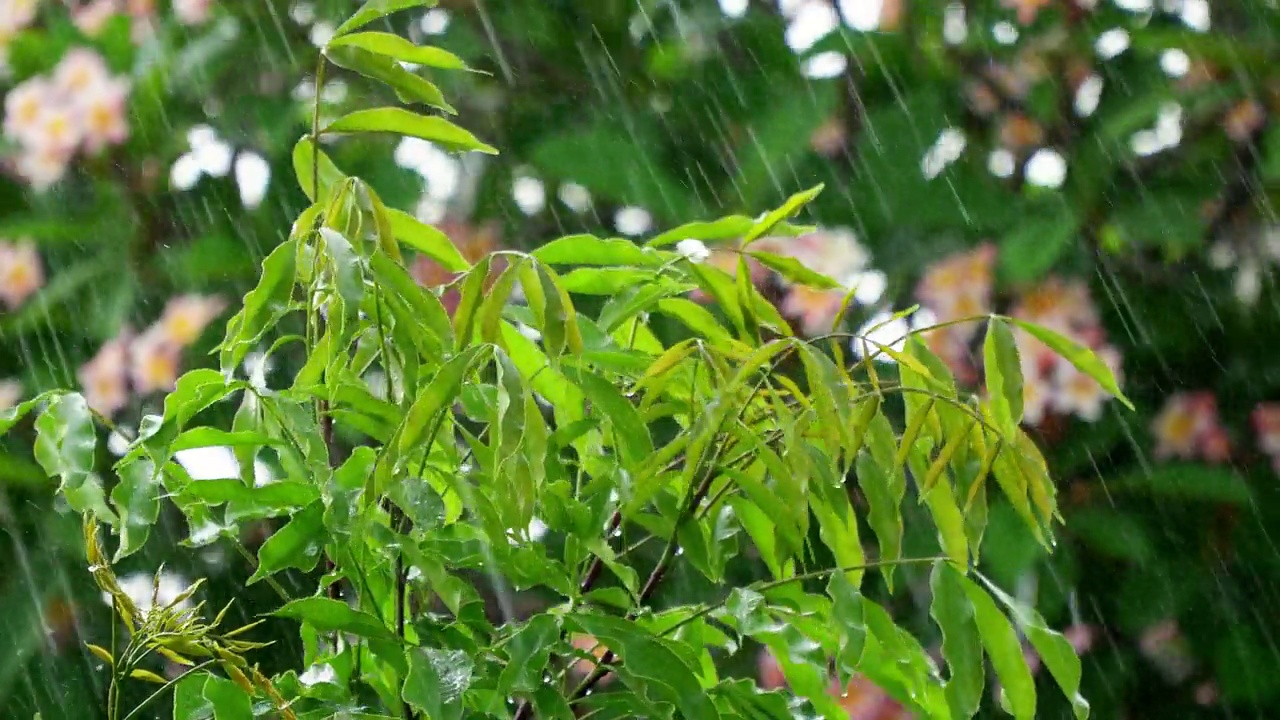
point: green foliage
(733, 431)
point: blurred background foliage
(1107, 166)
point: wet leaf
(299, 544)
(1004, 649)
(437, 679)
(961, 645)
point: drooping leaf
(1004, 375)
(961, 645)
(137, 500)
(66, 445)
(427, 240)
(1078, 355)
(1002, 646)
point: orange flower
(474, 244)
(104, 378)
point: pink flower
(1188, 428)
(959, 286)
(90, 18)
(42, 167)
(104, 378)
(153, 362)
(104, 111)
(21, 273)
(1266, 424)
(1164, 645)
(192, 12)
(80, 70)
(816, 309)
(22, 108)
(186, 316)
(10, 394)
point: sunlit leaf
(402, 122)
(409, 87)
(1078, 355)
(397, 47)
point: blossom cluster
(91, 16)
(147, 362)
(21, 275)
(81, 107)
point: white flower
(695, 250)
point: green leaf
(604, 281)
(270, 499)
(437, 396)
(427, 240)
(1054, 649)
(261, 306)
(1004, 375)
(375, 9)
(397, 47)
(591, 250)
(66, 447)
(630, 432)
(305, 163)
(1186, 481)
(404, 123)
(1036, 243)
(726, 228)
(838, 528)
(1002, 646)
(199, 437)
(793, 270)
(137, 499)
(409, 87)
(528, 651)
(961, 645)
(437, 679)
(11, 416)
(650, 666)
(792, 206)
(328, 615)
(1078, 355)
(884, 496)
(229, 700)
(299, 544)
(846, 612)
(698, 319)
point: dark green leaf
(137, 500)
(298, 544)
